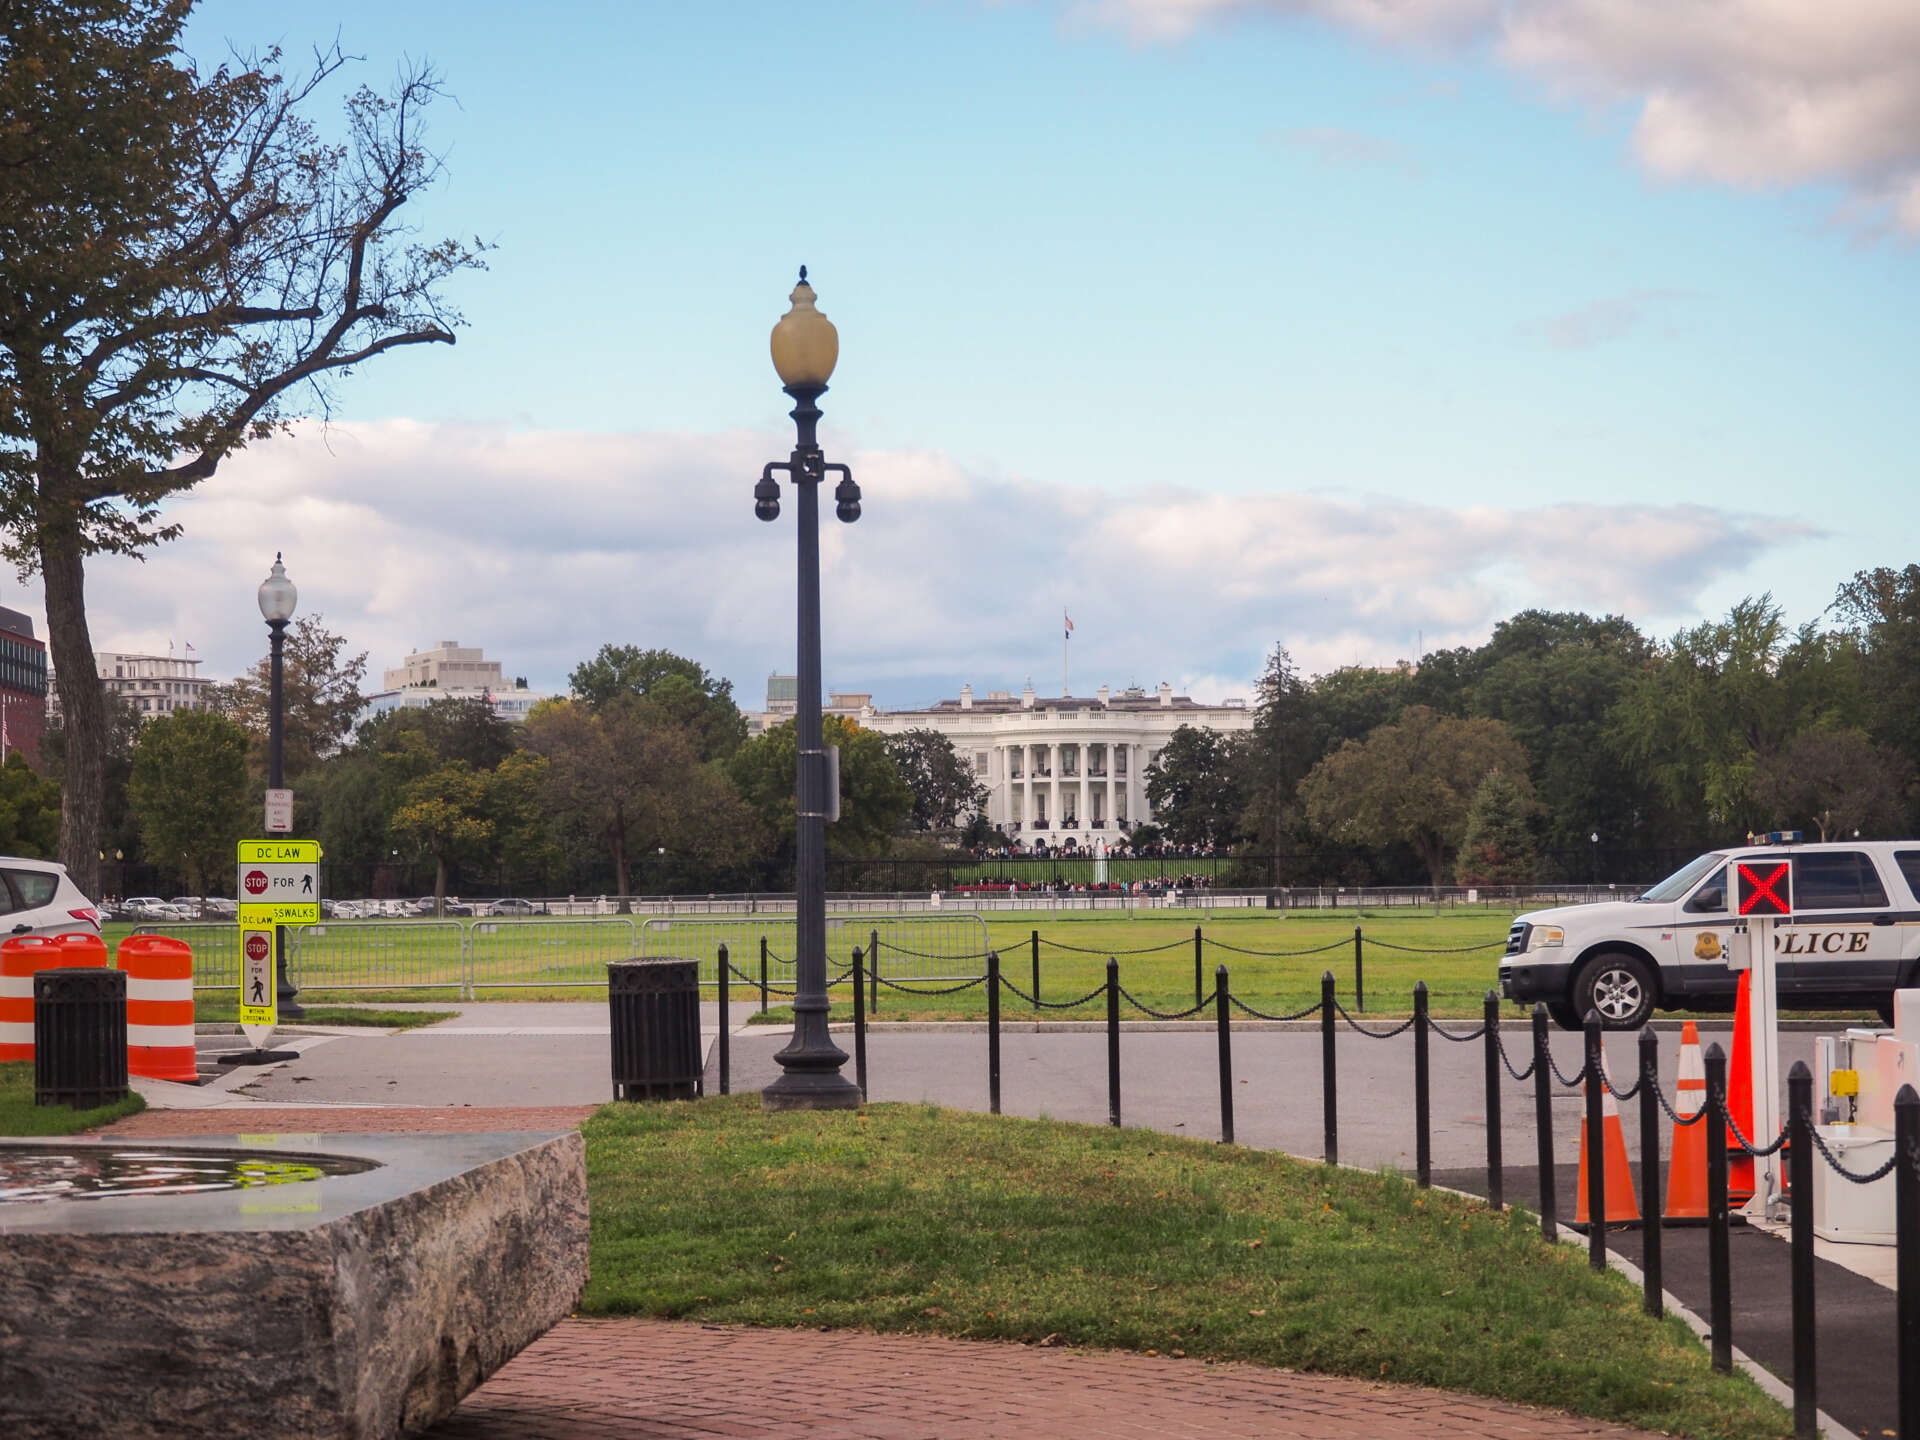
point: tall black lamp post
(805, 347)
(277, 601)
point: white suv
(37, 898)
(1852, 940)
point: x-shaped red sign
(1759, 892)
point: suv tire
(1562, 1013)
(1617, 985)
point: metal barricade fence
(215, 946)
(515, 953)
(912, 947)
(376, 955)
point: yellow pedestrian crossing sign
(278, 882)
(259, 1001)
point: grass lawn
(20, 1116)
(911, 1218)
(1275, 959)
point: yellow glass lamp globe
(805, 345)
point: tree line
(1567, 747)
(642, 779)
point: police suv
(1851, 940)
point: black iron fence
(1798, 1136)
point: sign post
(1763, 895)
(278, 884)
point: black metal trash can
(655, 1013)
(79, 1037)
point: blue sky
(1388, 319)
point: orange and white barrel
(20, 957)
(159, 973)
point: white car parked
(37, 898)
(1852, 939)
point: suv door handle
(1883, 919)
(23, 929)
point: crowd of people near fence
(1154, 885)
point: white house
(1062, 770)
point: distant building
(23, 686)
(450, 671)
(1064, 771)
(150, 684)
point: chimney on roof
(1103, 694)
(1166, 695)
(966, 697)
(1026, 695)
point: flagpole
(1066, 634)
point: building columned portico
(1071, 770)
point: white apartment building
(151, 684)
(451, 671)
(1067, 770)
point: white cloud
(1601, 321)
(1740, 92)
(541, 546)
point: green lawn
(20, 1116)
(1275, 960)
(910, 1218)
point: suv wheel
(1619, 987)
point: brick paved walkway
(347, 1120)
(666, 1380)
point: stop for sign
(256, 882)
(258, 947)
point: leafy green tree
(184, 259)
(1354, 701)
(446, 730)
(29, 810)
(320, 696)
(633, 788)
(1497, 847)
(1698, 721)
(1881, 610)
(1410, 783)
(1836, 782)
(674, 689)
(1197, 788)
(1554, 680)
(1283, 747)
(191, 793)
(874, 800)
(942, 784)
(445, 815)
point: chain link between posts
(1040, 1004)
(1239, 1004)
(1404, 1025)
(1128, 996)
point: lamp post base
(834, 1094)
(822, 1089)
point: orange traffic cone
(1622, 1209)
(1687, 1163)
(1740, 1095)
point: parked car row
(151, 909)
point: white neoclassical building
(1056, 770)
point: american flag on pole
(1069, 619)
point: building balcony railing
(1069, 774)
(1043, 774)
(1043, 824)
(1096, 774)
(1099, 824)
(1016, 774)
(1013, 825)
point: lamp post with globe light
(805, 348)
(277, 601)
